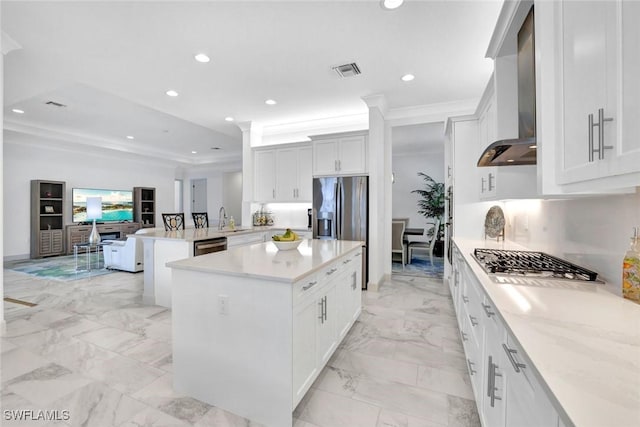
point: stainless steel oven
(207, 246)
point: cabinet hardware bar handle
(474, 320)
(510, 353)
(465, 299)
(602, 146)
(325, 308)
(330, 272)
(448, 171)
(358, 254)
(464, 336)
(353, 285)
(494, 388)
(321, 304)
(347, 261)
(491, 186)
(483, 181)
(490, 377)
(487, 310)
(335, 165)
(309, 285)
(591, 149)
(273, 192)
(470, 364)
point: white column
(251, 136)
(379, 153)
(3, 323)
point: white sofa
(126, 255)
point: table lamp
(94, 211)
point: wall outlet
(223, 304)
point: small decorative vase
(94, 237)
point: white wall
(592, 232)
(405, 168)
(23, 162)
(232, 195)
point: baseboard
(16, 257)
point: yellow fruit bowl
(287, 245)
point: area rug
(420, 266)
(62, 268)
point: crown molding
(431, 113)
(378, 101)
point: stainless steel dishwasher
(201, 247)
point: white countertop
(583, 340)
(265, 261)
(195, 234)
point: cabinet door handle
(487, 310)
(465, 299)
(510, 353)
(473, 320)
(602, 146)
(309, 285)
(493, 375)
(325, 308)
(321, 304)
(470, 364)
(482, 186)
(590, 133)
(491, 186)
(448, 171)
(330, 272)
(339, 165)
(346, 261)
(353, 284)
(273, 192)
(358, 254)
(335, 165)
(464, 336)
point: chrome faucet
(222, 218)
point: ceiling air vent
(347, 70)
(55, 104)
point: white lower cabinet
(245, 239)
(507, 391)
(326, 305)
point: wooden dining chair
(397, 243)
(200, 219)
(173, 221)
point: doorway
(199, 195)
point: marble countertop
(196, 234)
(265, 261)
(583, 340)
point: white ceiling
(111, 63)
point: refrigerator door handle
(334, 226)
(339, 209)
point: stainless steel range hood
(521, 150)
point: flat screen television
(117, 205)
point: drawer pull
(487, 310)
(470, 364)
(309, 285)
(474, 320)
(465, 299)
(330, 272)
(510, 352)
(464, 336)
(346, 261)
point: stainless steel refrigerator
(341, 211)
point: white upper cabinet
(283, 174)
(340, 155)
(264, 175)
(599, 66)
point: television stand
(79, 233)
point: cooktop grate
(529, 263)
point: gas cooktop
(530, 264)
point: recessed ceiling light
(533, 146)
(229, 119)
(510, 161)
(172, 93)
(130, 137)
(18, 111)
(194, 152)
(201, 57)
(408, 77)
(270, 102)
(391, 4)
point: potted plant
(431, 206)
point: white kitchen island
(253, 326)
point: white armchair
(124, 255)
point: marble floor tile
(463, 412)
(344, 411)
(376, 367)
(46, 384)
(406, 399)
(113, 339)
(124, 374)
(160, 394)
(44, 316)
(18, 362)
(97, 404)
(151, 417)
(337, 381)
(221, 418)
(432, 356)
(75, 325)
(396, 419)
(45, 342)
(6, 345)
(454, 383)
(150, 351)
